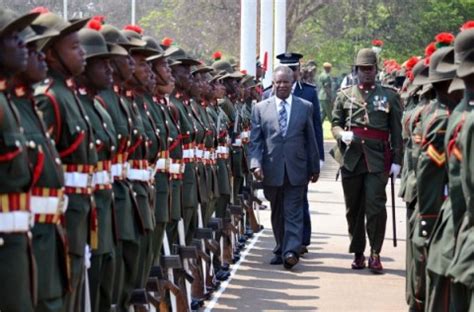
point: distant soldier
(367, 125)
(17, 291)
(325, 95)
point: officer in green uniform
(48, 199)
(17, 292)
(165, 211)
(69, 126)
(129, 220)
(144, 150)
(325, 92)
(367, 125)
(461, 268)
(97, 77)
(180, 101)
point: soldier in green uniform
(441, 245)
(460, 269)
(48, 199)
(17, 292)
(129, 221)
(97, 77)
(180, 101)
(367, 125)
(70, 128)
(414, 107)
(144, 150)
(431, 167)
(325, 92)
(165, 210)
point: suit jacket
(297, 152)
(309, 93)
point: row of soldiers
(437, 184)
(124, 177)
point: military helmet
(142, 50)
(178, 54)
(54, 21)
(95, 45)
(436, 57)
(39, 34)
(10, 21)
(113, 35)
(419, 70)
(151, 43)
(463, 45)
(366, 57)
(226, 70)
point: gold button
(2, 242)
(135, 131)
(423, 222)
(78, 128)
(30, 236)
(365, 128)
(98, 142)
(105, 125)
(119, 136)
(363, 141)
(32, 144)
(91, 145)
(57, 160)
(17, 143)
(424, 233)
(86, 118)
(112, 148)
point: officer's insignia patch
(438, 158)
(381, 104)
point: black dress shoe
(276, 260)
(290, 260)
(303, 250)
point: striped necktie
(283, 116)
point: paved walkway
(323, 280)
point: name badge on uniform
(381, 104)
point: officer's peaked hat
(289, 58)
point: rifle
(394, 223)
(246, 201)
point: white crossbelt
(77, 179)
(15, 221)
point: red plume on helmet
(243, 71)
(167, 42)
(217, 55)
(467, 25)
(40, 9)
(430, 49)
(444, 39)
(411, 62)
(377, 43)
(134, 28)
(96, 22)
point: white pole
(65, 9)
(133, 12)
(266, 38)
(280, 26)
(248, 36)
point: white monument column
(248, 35)
(280, 26)
(266, 39)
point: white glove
(347, 136)
(395, 170)
(321, 164)
(87, 257)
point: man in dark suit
(307, 92)
(284, 154)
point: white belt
(118, 170)
(77, 179)
(163, 164)
(238, 142)
(175, 168)
(222, 150)
(46, 204)
(101, 178)
(15, 221)
(188, 153)
(245, 134)
(199, 153)
(207, 155)
(138, 174)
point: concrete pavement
(323, 280)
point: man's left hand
(314, 178)
(395, 170)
